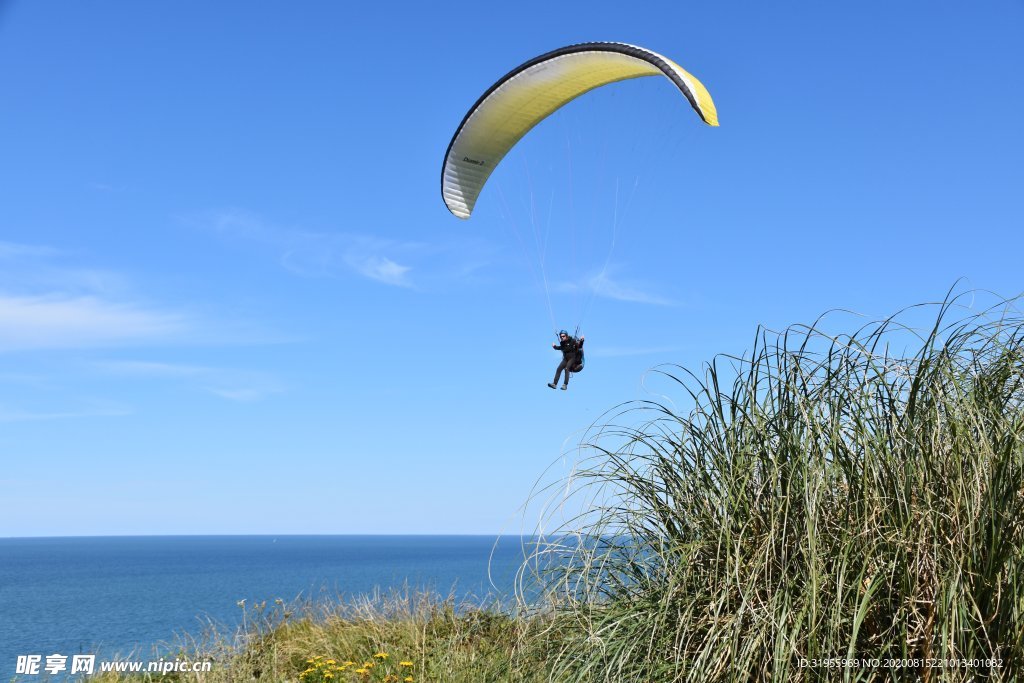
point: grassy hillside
(825, 497)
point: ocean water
(110, 595)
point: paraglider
(527, 95)
(572, 357)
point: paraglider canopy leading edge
(533, 91)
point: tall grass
(822, 496)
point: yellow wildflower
(381, 655)
(331, 661)
(405, 663)
(408, 679)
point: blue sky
(232, 300)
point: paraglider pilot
(570, 349)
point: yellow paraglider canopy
(532, 92)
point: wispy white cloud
(623, 290)
(243, 394)
(608, 286)
(35, 268)
(623, 351)
(382, 269)
(54, 321)
(45, 303)
(12, 414)
(457, 258)
(12, 250)
(138, 368)
(318, 254)
(227, 383)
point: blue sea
(117, 595)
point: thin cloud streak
(632, 292)
(136, 368)
(8, 414)
(56, 321)
(10, 250)
(382, 269)
(46, 305)
(312, 254)
(243, 395)
(624, 351)
(226, 383)
(605, 286)
(34, 268)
